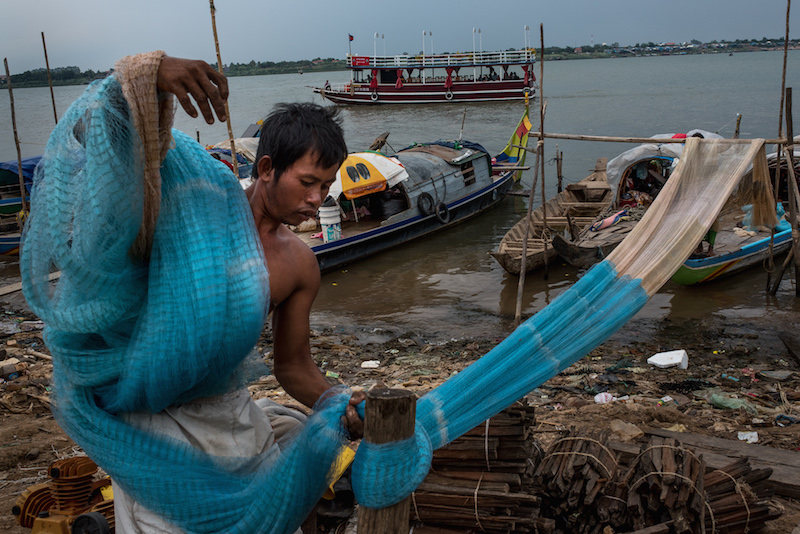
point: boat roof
(9, 173)
(617, 166)
(457, 59)
(434, 159)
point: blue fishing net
(139, 335)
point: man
(300, 150)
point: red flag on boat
(350, 36)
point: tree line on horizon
(72, 75)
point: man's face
(298, 193)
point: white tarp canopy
(616, 167)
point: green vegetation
(256, 68)
(74, 76)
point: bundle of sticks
(670, 491)
(477, 482)
(570, 480)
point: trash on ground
(671, 358)
(749, 437)
(370, 364)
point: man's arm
(295, 369)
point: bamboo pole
(559, 163)
(794, 197)
(638, 140)
(541, 139)
(227, 111)
(16, 142)
(389, 415)
(524, 259)
(49, 80)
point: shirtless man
(299, 152)
(301, 148)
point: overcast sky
(93, 34)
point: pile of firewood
(668, 489)
(477, 481)
(571, 480)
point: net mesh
(132, 332)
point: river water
(448, 285)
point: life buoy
(449, 95)
(374, 96)
(442, 213)
(425, 204)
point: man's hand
(184, 77)
(351, 420)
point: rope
(475, 499)
(486, 446)
(414, 500)
(741, 494)
(691, 485)
(579, 438)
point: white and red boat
(458, 77)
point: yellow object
(360, 177)
(107, 492)
(341, 464)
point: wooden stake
(389, 416)
(227, 111)
(49, 80)
(559, 163)
(794, 197)
(524, 259)
(23, 202)
(541, 160)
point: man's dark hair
(292, 130)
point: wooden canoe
(579, 204)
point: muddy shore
(740, 361)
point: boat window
(468, 173)
(353, 174)
(363, 171)
(388, 75)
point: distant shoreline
(234, 70)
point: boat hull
(433, 93)
(338, 253)
(697, 271)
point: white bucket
(331, 223)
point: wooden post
(49, 80)
(22, 200)
(794, 197)
(227, 111)
(389, 416)
(524, 260)
(559, 164)
(541, 160)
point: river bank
(738, 360)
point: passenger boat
(381, 201)
(737, 245)
(570, 210)
(436, 78)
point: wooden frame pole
(541, 148)
(49, 79)
(389, 415)
(227, 111)
(16, 142)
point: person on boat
(301, 147)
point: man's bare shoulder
(293, 268)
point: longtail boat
(572, 209)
